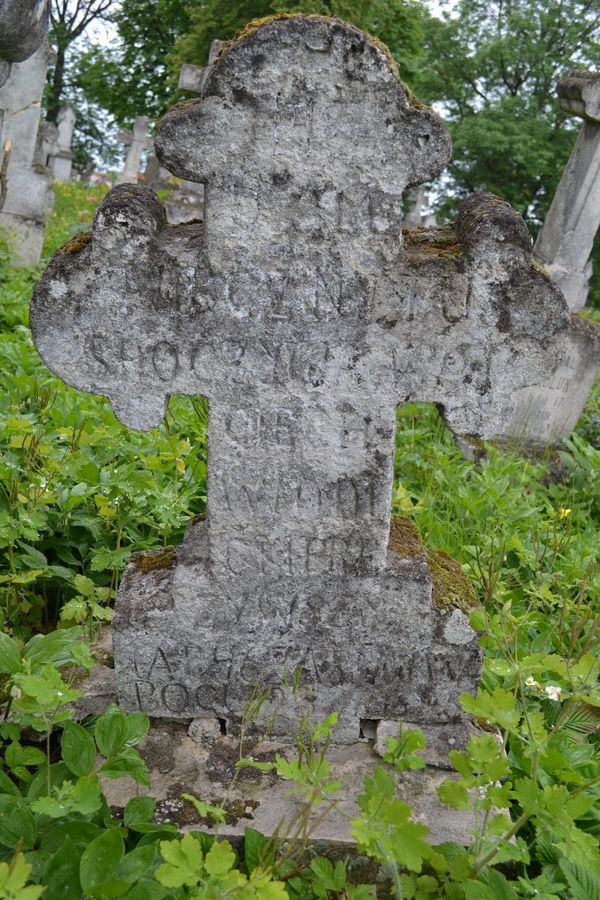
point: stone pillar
(138, 141)
(61, 161)
(23, 24)
(26, 190)
(565, 241)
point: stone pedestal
(191, 644)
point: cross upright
(138, 141)
(305, 315)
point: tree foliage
(493, 65)
(132, 78)
(69, 20)
(398, 23)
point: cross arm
(473, 320)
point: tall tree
(133, 78)
(493, 66)
(398, 23)
(69, 20)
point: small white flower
(531, 682)
(15, 692)
(553, 692)
(60, 693)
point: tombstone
(192, 78)
(303, 317)
(415, 217)
(185, 202)
(138, 142)
(23, 26)
(546, 415)
(61, 159)
(27, 188)
(564, 244)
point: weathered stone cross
(305, 316)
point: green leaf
(7, 785)
(137, 726)
(220, 858)
(111, 731)
(454, 793)
(78, 749)
(61, 874)
(584, 883)
(183, 864)
(148, 889)
(85, 586)
(136, 863)
(13, 878)
(52, 648)
(139, 809)
(127, 762)
(86, 797)
(16, 755)
(101, 859)
(255, 845)
(10, 658)
(17, 825)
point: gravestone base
(259, 800)
(392, 645)
(25, 236)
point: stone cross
(565, 241)
(301, 314)
(23, 26)
(547, 414)
(192, 78)
(27, 189)
(138, 142)
(61, 161)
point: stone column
(138, 141)
(62, 159)
(26, 190)
(565, 242)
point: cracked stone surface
(305, 315)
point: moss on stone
(432, 241)
(539, 268)
(76, 244)
(251, 27)
(152, 560)
(450, 585)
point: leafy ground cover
(79, 492)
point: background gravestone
(547, 414)
(61, 161)
(301, 314)
(138, 141)
(26, 194)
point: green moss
(539, 268)
(434, 242)
(451, 587)
(76, 244)
(152, 560)
(249, 29)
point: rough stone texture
(305, 315)
(23, 25)
(259, 800)
(28, 194)
(138, 142)
(564, 244)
